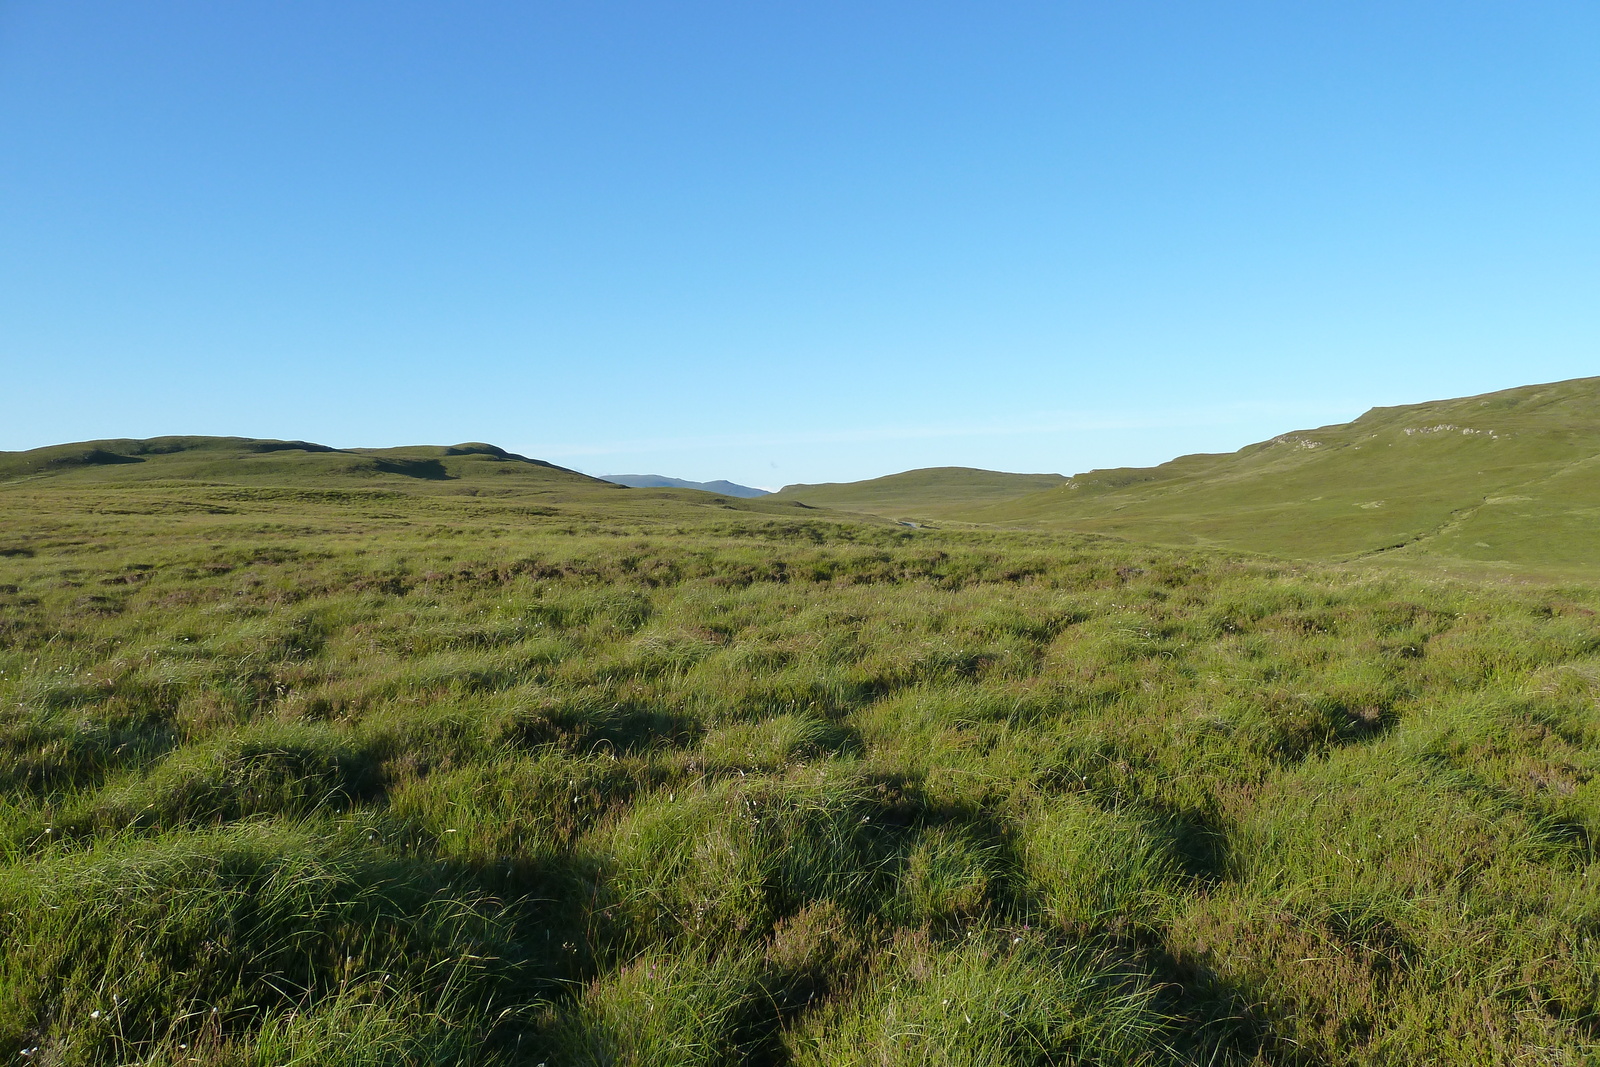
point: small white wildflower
(95, 1014)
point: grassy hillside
(240, 460)
(116, 473)
(930, 493)
(1506, 478)
(365, 772)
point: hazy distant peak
(661, 481)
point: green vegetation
(362, 767)
(246, 461)
(1501, 479)
(931, 493)
(1504, 482)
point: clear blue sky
(787, 241)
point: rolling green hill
(1503, 478)
(237, 476)
(929, 493)
(242, 460)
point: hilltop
(236, 460)
(929, 493)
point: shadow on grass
(427, 469)
(584, 726)
(252, 926)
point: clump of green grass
(1093, 870)
(948, 877)
(669, 1009)
(980, 1003)
(264, 768)
(514, 808)
(195, 938)
(772, 744)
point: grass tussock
(330, 776)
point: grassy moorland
(367, 766)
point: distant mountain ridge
(661, 481)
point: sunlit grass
(426, 779)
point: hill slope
(1510, 477)
(929, 493)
